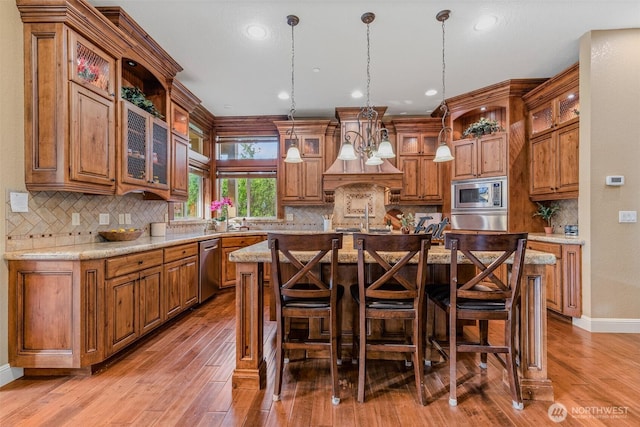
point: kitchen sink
(347, 230)
(357, 230)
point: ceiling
(236, 76)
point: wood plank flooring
(181, 376)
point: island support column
(251, 368)
(534, 383)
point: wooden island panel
(251, 367)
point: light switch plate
(75, 218)
(127, 218)
(120, 218)
(104, 219)
(627, 216)
(289, 217)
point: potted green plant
(546, 212)
(406, 221)
(482, 127)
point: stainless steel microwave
(479, 194)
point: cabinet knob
(140, 262)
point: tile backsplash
(48, 222)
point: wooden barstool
(396, 294)
(301, 291)
(482, 298)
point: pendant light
(371, 141)
(293, 153)
(443, 153)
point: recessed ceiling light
(283, 95)
(571, 96)
(356, 94)
(228, 106)
(431, 92)
(483, 108)
(256, 32)
(485, 22)
(316, 69)
(403, 113)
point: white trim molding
(603, 324)
(8, 374)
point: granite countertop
(347, 255)
(556, 238)
(108, 249)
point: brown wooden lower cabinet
(69, 315)
(133, 301)
(56, 313)
(228, 269)
(181, 278)
(564, 278)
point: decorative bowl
(121, 235)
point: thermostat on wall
(615, 180)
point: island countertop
(260, 252)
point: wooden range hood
(342, 173)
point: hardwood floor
(181, 376)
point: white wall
(12, 149)
(610, 145)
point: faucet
(366, 219)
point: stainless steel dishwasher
(209, 278)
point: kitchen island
(250, 371)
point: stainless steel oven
(479, 204)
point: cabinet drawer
(551, 248)
(241, 241)
(133, 262)
(178, 252)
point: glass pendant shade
(373, 160)
(385, 150)
(347, 152)
(443, 153)
(293, 155)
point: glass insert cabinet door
(147, 148)
(90, 66)
(308, 146)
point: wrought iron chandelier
(293, 152)
(371, 141)
(443, 153)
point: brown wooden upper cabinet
(301, 183)
(70, 139)
(145, 152)
(554, 137)
(481, 157)
(417, 142)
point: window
(193, 208)
(246, 173)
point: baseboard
(628, 326)
(8, 374)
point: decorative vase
(548, 230)
(405, 229)
(221, 225)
